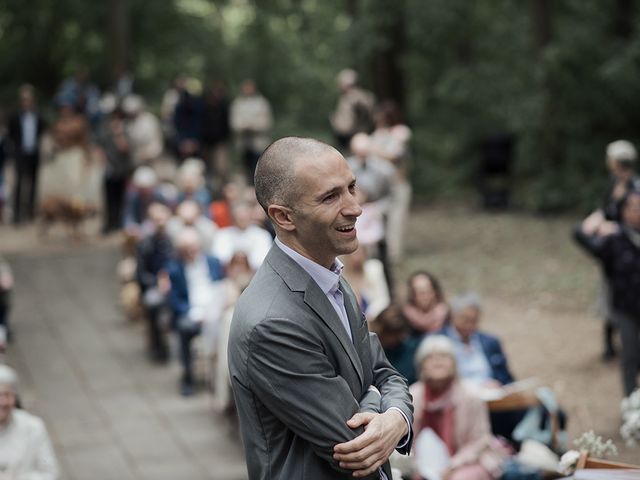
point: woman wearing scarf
(459, 418)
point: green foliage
(469, 69)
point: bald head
(275, 177)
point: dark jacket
(620, 259)
(15, 131)
(153, 255)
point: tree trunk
(388, 74)
(118, 37)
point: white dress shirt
(29, 124)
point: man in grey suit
(316, 397)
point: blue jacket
(179, 294)
(495, 356)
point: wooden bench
(587, 461)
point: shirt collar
(327, 279)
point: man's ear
(281, 216)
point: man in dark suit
(196, 298)
(25, 129)
(316, 397)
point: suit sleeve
(291, 374)
(393, 388)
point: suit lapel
(320, 304)
(299, 281)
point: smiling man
(316, 397)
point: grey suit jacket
(297, 377)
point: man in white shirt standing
(25, 129)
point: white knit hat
(434, 344)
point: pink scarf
(438, 415)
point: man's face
(466, 322)
(7, 403)
(325, 212)
(27, 101)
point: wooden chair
(514, 401)
(586, 461)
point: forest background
(561, 76)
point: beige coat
(472, 430)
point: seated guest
(153, 254)
(189, 214)
(6, 287)
(479, 355)
(242, 236)
(25, 448)
(392, 329)
(366, 277)
(143, 193)
(197, 298)
(454, 413)
(220, 208)
(191, 184)
(425, 309)
(480, 358)
(617, 247)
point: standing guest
(188, 120)
(170, 99)
(216, 131)
(399, 346)
(6, 289)
(617, 246)
(375, 179)
(354, 111)
(455, 414)
(4, 151)
(70, 185)
(250, 120)
(242, 236)
(197, 299)
(425, 309)
(316, 397)
(374, 175)
(25, 130)
(620, 158)
(114, 142)
(143, 129)
(25, 448)
(82, 95)
(390, 141)
(153, 254)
